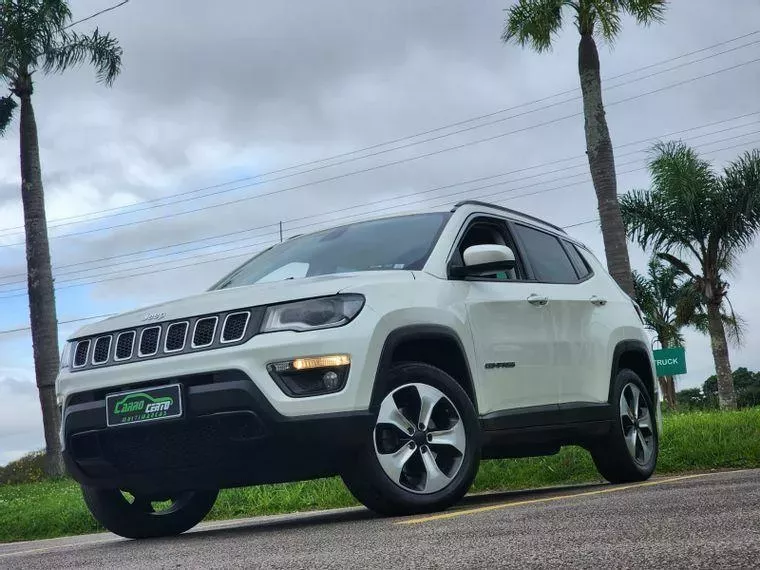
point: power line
(411, 194)
(77, 320)
(385, 165)
(247, 247)
(391, 207)
(187, 196)
(96, 14)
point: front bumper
(230, 435)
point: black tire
(611, 453)
(131, 519)
(369, 483)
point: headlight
(66, 356)
(312, 314)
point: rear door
(577, 328)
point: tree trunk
(601, 161)
(40, 282)
(726, 396)
(667, 383)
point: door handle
(538, 300)
(597, 301)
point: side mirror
(485, 259)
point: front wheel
(143, 516)
(629, 452)
(424, 449)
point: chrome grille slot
(149, 341)
(101, 350)
(176, 333)
(234, 326)
(203, 332)
(80, 355)
(125, 343)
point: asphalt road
(695, 521)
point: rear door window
(546, 255)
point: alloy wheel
(419, 438)
(636, 421)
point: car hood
(242, 297)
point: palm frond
(735, 325)
(738, 212)
(102, 51)
(646, 11)
(7, 107)
(607, 14)
(679, 265)
(533, 23)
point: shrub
(29, 469)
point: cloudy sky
(160, 184)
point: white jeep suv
(395, 353)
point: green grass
(691, 442)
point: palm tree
(33, 39)
(535, 23)
(707, 219)
(669, 302)
(658, 294)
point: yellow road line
(488, 508)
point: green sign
(670, 361)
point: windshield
(403, 242)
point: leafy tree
(692, 399)
(746, 385)
(535, 23)
(708, 219)
(658, 294)
(34, 39)
(669, 303)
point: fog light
(331, 380)
(311, 376)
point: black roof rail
(508, 210)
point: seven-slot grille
(163, 339)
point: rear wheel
(424, 449)
(629, 452)
(143, 516)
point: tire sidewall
(112, 510)
(425, 374)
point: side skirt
(543, 430)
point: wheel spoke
(645, 420)
(630, 441)
(390, 414)
(645, 447)
(435, 479)
(454, 437)
(429, 397)
(636, 397)
(393, 463)
(625, 408)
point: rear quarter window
(579, 262)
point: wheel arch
(437, 345)
(633, 354)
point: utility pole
(280, 232)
